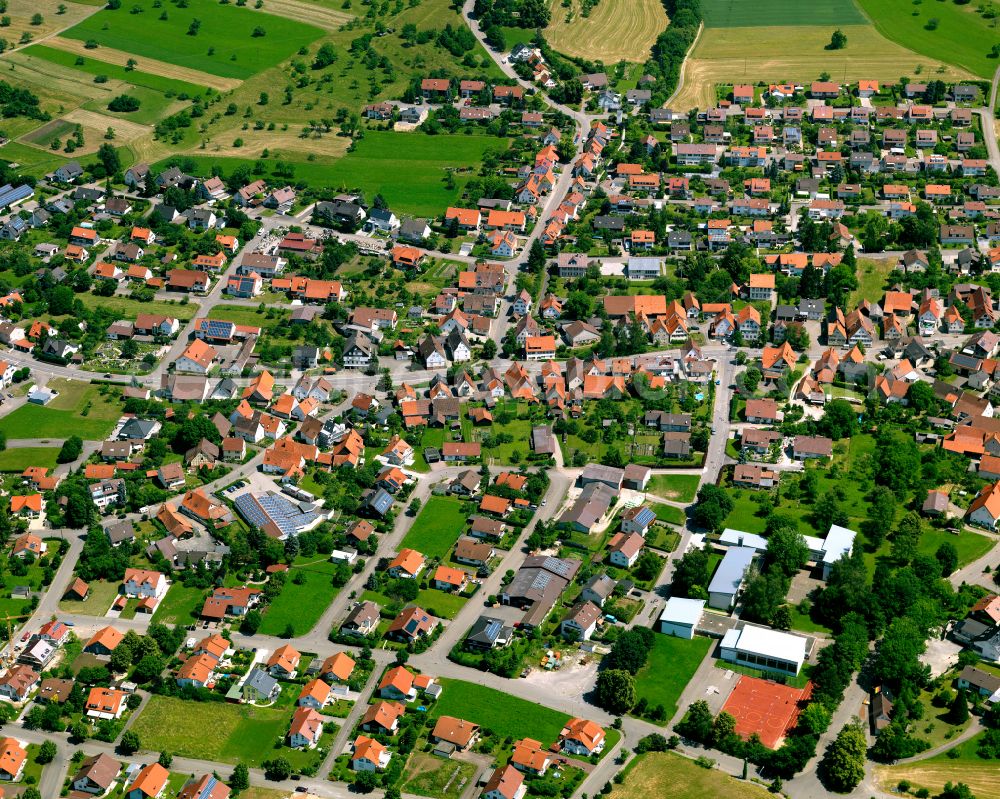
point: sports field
(616, 30)
(225, 31)
(721, 56)
(659, 774)
(763, 707)
(761, 13)
(962, 37)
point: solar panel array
(11, 194)
(274, 509)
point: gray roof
(260, 681)
(729, 575)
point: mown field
(982, 776)
(93, 66)
(437, 528)
(80, 408)
(616, 30)
(506, 715)
(963, 37)
(659, 774)
(408, 169)
(210, 730)
(20, 458)
(761, 13)
(224, 44)
(797, 53)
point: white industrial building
(762, 648)
(728, 578)
(681, 616)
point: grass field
(226, 28)
(982, 776)
(437, 528)
(428, 775)
(796, 54)
(129, 308)
(102, 594)
(672, 662)
(210, 730)
(442, 604)
(962, 37)
(659, 774)
(80, 407)
(19, 459)
(747, 13)
(872, 278)
(181, 605)
(505, 715)
(678, 487)
(616, 30)
(93, 66)
(301, 605)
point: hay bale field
(616, 30)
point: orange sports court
(766, 708)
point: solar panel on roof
(493, 629)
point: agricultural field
(238, 732)
(982, 776)
(657, 774)
(962, 36)
(230, 41)
(507, 716)
(428, 775)
(616, 30)
(797, 54)
(437, 527)
(761, 13)
(80, 407)
(22, 14)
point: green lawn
(963, 37)
(668, 513)
(129, 308)
(672, 662)
(442, 604)
(227, 29)
(32, 160)
(79, 408)
(242, 315)
(210, 730)
(408, 169)
(437, 528)
(181, 605)
(301, 605)
(431, 776)
(19, 459)
(102, 594)
(678, 487)
(93, 66)
(505, 715)
(872, 278)
(778, 13)
(661, 774)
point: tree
(71, 450)
(881, 515)
(124, 103)
(838, 41)
(697, 723)
(130, 743)
(46, 752)
(713, 506)
(240, 779)
(787, 549)
(278, 769)
(165, 759)
(958, 713)
(840, 420)
(906, 538)
(958, 790)
(250, 622)
(325, 56)
(108, 156)
(947, 556)
(365, 781)
(843, 764)
(691, 575)
(615, 691)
